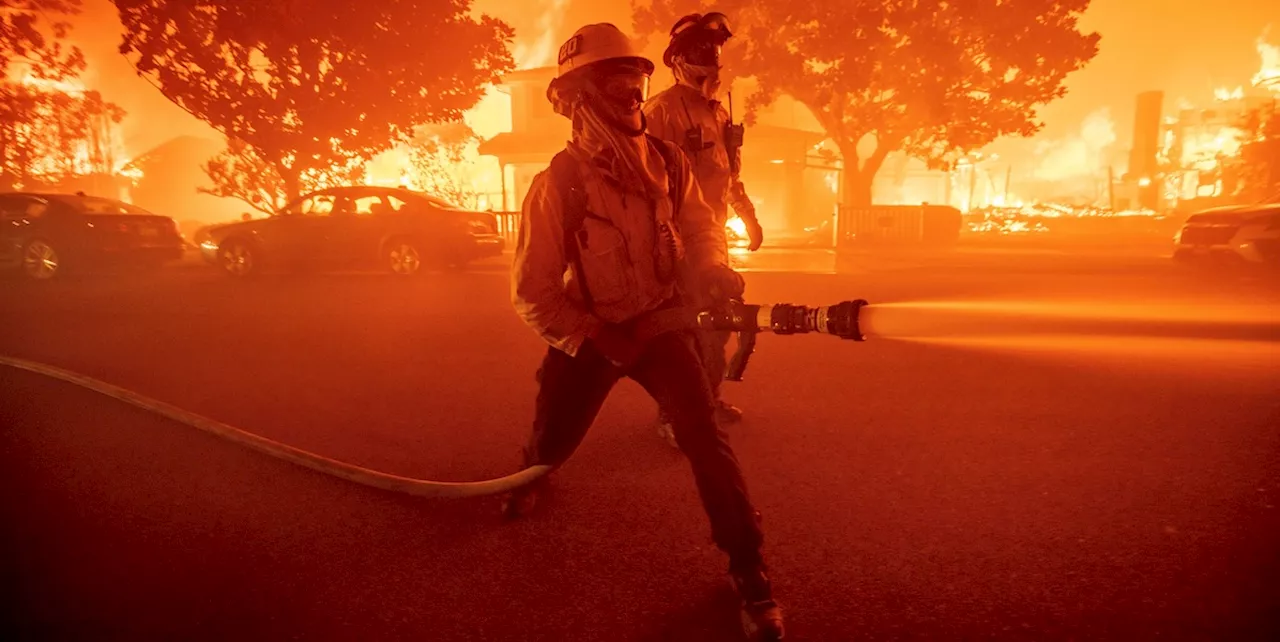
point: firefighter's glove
(616, 345)
(746, 211)
(754, 232)
(722, 283)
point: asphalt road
(1011, 486)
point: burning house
(58, 135)
(168, 178)
(1194, 164)
(1190, 160)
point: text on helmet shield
(569, 49)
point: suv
(1248, 233)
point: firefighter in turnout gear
(607, 234)
(690, 115)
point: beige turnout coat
(675, 112)
(618, 245)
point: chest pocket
(698, 140)
(703, 146)
(605, 260)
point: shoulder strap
(568, 182)
(675, 174)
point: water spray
(990, 320)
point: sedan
(396, 230)
(46, 235)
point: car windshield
(95, 205)
(440, 203)
(1218, 218)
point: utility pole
(1008, 176)
(973, 183)
(1111, 188)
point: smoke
(1079, 155)
(150, 119)
(538, 40)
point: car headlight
(209, 244)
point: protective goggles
(626, 85)
(715, 25)
(699, 39)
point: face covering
(624, 92)
(632, 168)
(601, 123)
(704, 78)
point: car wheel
(238, 259)
(40, 260)
(403, 257)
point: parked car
(1247, 233)
(45, 235)
(395, 229)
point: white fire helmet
(589, 47)
(597, 43)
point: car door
(332, 229)
(352, 236)
(364, 231)
(298, 233)
(12, 215)
(436, 225)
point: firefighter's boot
(761, 615)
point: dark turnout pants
(712, 345)
(573, 389)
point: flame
(1268, 75)
(1203, 147)
(110, 144)
(1222, 94)
(1000, 200)
(492, 115)
(736, 231)
(539, 52)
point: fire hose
(840, 320)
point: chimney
(1146, 135)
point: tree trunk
(292, 182)
(857, 187)
(859, 175)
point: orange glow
(71, 86)
(110, 146)
(490, 117)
